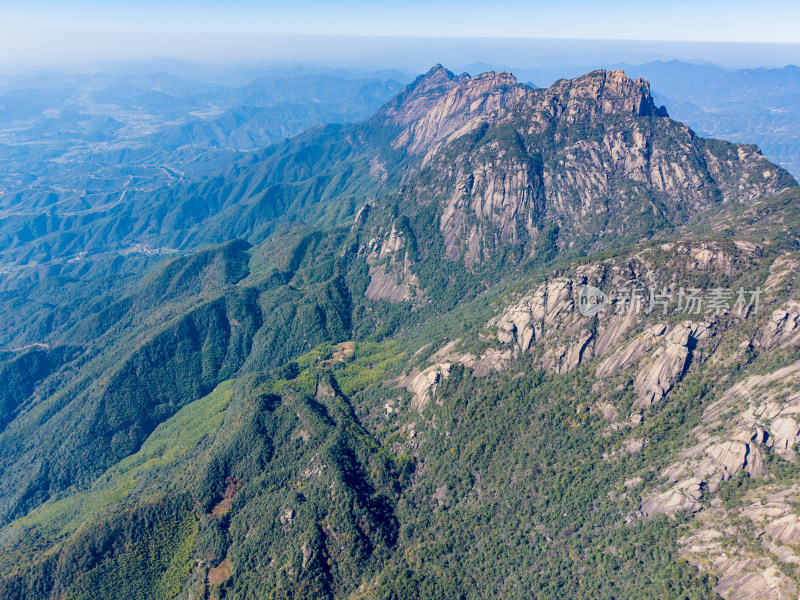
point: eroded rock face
(783, 329)
(497, 191)
(423, 384)
(630, 354)
(668, 363)
(548, 320)
(782, 270)
(683, 497)
(468, 104)
(547, 314)
(524, 322)
(764, 420)
(718, 462)
(490, 360)
(391, 278)
(741, 546)
(765, 410)
(565, 359)
(526, 168)
(611, 331)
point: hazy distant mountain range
(66, 139)
(68, 142)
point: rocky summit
(593, 158)
(361, 363)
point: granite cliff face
(586, 161)
(389, 269)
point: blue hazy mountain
(77, 135)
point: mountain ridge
(287, 181)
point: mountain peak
(420, 95)
(438, 70)
(501, 77)
(613, 91)
(440, 95)
(529, 163)
(439, 103)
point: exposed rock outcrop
(465, 106)
(783, 329)
(390, 273)
(423, 384)
(490, 360)
(668, 363)
(683, 497)
(528, 165)
(763, 409)
(632, 353)
(537, 317)
(744, 546)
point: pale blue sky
(86, 29)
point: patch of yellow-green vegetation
(355, 365)
(170, 441)
(322, 353)
(179, 563)
(370, 364)
(154, 567)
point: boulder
(423, 384)
(683, 496)
(782, 329)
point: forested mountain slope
(368, 372)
